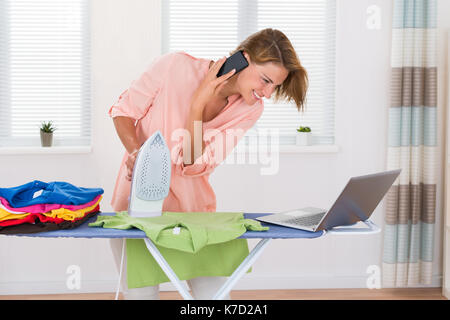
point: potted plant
(47, 130)
(304, 136)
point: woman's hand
(210, 85)
(126, 131)
(130, 164)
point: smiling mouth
(256, 95)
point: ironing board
(274, 232)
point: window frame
(246, 9)
(78, 143)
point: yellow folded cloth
(62, 213)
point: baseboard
(261, 282)
(248, 282)
(55, 287)
(446, 293)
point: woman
(178, 92)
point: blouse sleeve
(135, 101)
(219, 143)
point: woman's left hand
(210, 85)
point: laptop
(356, 203)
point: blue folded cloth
(54, 192)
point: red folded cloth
(38, 217)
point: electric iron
(151, 178)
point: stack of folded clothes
(39, 206)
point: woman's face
(259, 80)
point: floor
(317, 294)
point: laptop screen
(359, 199)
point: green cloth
(193, 243)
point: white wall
(125, 37)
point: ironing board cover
(84, 231)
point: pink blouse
(160, 100)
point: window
(44, 71)
(211, 29)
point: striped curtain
(411, 201)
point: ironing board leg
(242, 269)
(167, 269)
(225, 289)
(121, 268)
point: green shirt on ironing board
(190, 242)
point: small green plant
(47, 127)
(304, 129)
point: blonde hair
(271, 45)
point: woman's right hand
(131, 159)
(211, 84)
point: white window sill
(88, 149)
(45, 150)
(298, 149)
(310, 149)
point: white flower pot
(304, 138)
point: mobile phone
(236, 61)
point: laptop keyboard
(307, 221)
